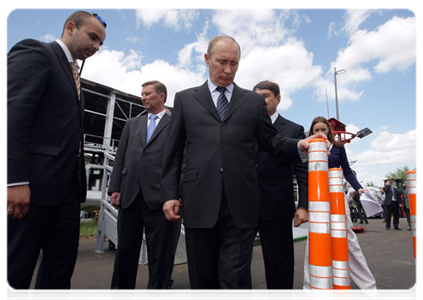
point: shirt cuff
(17, 183)
(303, 156)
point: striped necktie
(75, 74)
(222, 102)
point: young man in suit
(46, 173)
(392, 203)
(277, 199)
(135, 190)
(216, 128)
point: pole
(336, 94)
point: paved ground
(389, 255)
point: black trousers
(276, 240)
(393, 208)
(220, 257)
(54, 231)
(161, 237)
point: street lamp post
(335, 72)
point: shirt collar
(67, 52)
(160, 114)
(212, 86)
(274, 117)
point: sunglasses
(100, 19)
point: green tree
(399, 173)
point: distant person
(45, 153)
(218, 126)
(406, 204)
(392, 203)
(277, 198)
(135, 190)
(360, 210)
(352, 207)
(359, 270)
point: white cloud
(48, 38)
(354, 18)
(388, 151)
(176, 19)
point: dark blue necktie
(151, 127)
(222, 102)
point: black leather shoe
(397, 228)
(387, 228)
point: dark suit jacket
(138, 164)
(277, 199)
(388, 195)
(220, 155)
(45, 125)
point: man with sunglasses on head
(46, 173)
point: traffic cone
(412, 197)
(320, 246)
(339, 230)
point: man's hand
(171, 210)
(115, 200)
(304, 145)
(301, 216)
(18, 199)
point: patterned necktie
(151, 127)
(75, 74)
(222, 102)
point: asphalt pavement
(389, 254)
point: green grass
(88, 229)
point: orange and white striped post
(412, 197)
(339, 230)
(320, 246)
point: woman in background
(359, 270)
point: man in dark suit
(46, 174)
(135, 190)
(220, 192)
(392, 203)
(277, 199)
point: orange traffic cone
(339, 230)
(320, 246)
(412, 197)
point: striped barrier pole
(339, 230)
(412, 197)
(320, 246)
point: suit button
(221, 170)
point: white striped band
(321, 294)
(318, 227)
(338, 225)
(322, 206)
(338, 218)
(339, 233)
(341, 281)
(335, 180)
(338, 264)
(341, 273)
(336, 189)
(320, 271)
(317, 166)
(416, 232)
(410, 176)
(412, 190)
(321, 283)
(318, 217)
(336, 173)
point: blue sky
(298, 49)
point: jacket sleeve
(348, 173)
(28, 70)
(119, 164)
(301, 173)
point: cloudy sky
(297, 48)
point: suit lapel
(238, 98)
(202, 94)
(66, 68)
(142, 127)
(162, 124)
